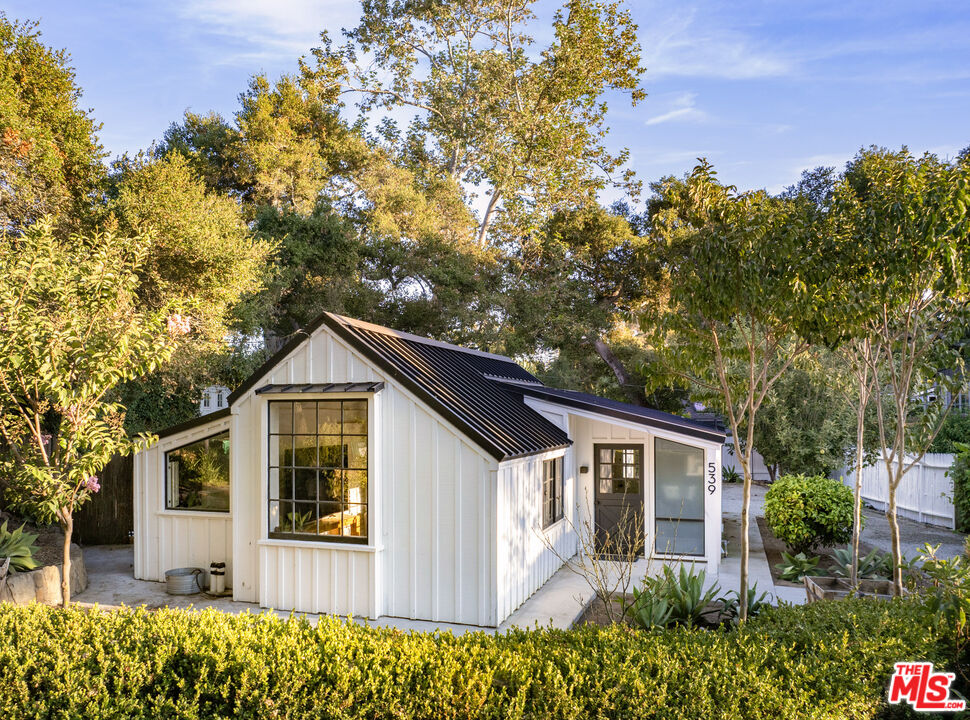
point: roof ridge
(383, 329)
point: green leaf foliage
(808, 512)
(50, 157)
(795, 567)
(829, 659)
(73, 329)
(19, 547)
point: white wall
(925, 493)
(587, 429)
(168, 539)
(431, 552)
(529, 554)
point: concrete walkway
(558, 603)
(759, 571)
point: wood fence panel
(109, 516)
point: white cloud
(685, 42)
(682, 109)
(260, 30)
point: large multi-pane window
(318, 470)
(552, 491)
(679, 499)
(197, 475)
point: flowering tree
(70, 331)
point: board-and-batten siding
(168, 539)
(527, 560)
(427, 562)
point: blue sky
(762, 89)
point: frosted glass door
(679, 499)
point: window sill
(554, 527)
(320, 545)
(208, 514)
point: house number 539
(711, 478)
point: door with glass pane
(679, 501)
(618, 499)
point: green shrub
(959, 472)
(829, 659)
(19, 547)
(809, 512)
(955, 431)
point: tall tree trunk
(623, 377)
(857, 496)
(67, 525)
(772, 472)
(897, 543)
(745, 543)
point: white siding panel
(526, 559)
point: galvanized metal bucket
(183, 581)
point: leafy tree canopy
(50, 157)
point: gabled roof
(452, 380)
(478, 392)
(621, 411)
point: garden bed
(775, 547)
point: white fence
(759, 472)
(925, 493)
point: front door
(618, 499)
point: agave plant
(756, 603)
(649, 610)
(673, 599)
(19, 547)
(875, 565)
(797, 566)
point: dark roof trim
(684, 427)
(194, 423)
(343, 387)
(334, 324)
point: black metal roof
(621, 411)
(452, 381)
(194, 422)
(342, 387)
(479, 392)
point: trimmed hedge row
(820, 661)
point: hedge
(820, 661)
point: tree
(586, 272)
(522, 124)
(388, 240)
(199, 249)
(740, 282)
(907, 269)
(73, 328)
(805, 425)
(50, 157)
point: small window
(219, 400)
(197, 475)
(318, 470)
(205, 400)
(552, 491)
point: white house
(371, 472)
(214, 397)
